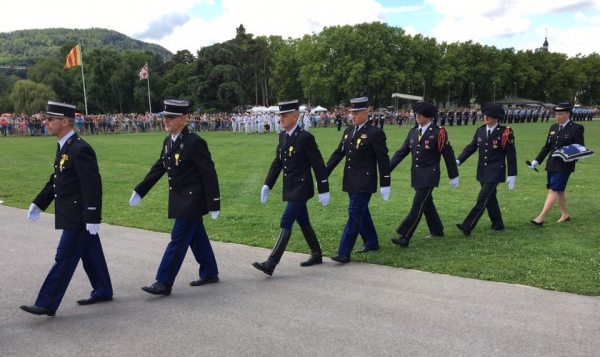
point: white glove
(135, 199)
(533, 164)
(511, 181)
(457, 163)
(93, 228)
(214, 214)
(34, 212)
(385, 193)
(454, 182)
(264, 193)
(324, 198)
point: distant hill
(24, 47)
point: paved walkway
(328, 310)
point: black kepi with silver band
(564, 107)
(357, 104)
(175, 107)
(289, 106)
(61, 109)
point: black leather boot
(316, 257)
(269, 265)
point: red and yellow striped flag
(74, 57)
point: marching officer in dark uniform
(338, 121)
(76, 188)
(564, 132)
(364, 147)
(497, 154)
(193, 192)
(296, 153)
(450, 117)
(427, 144)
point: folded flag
(572, 152)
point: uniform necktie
(355, 130)
(489, 132)
(560, 127)
(420, 133)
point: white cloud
(410, 30)
(483, 21)
(287, 18)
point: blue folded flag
(572, 152)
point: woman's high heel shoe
(564, 220)
(538, 224)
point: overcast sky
(573, 26)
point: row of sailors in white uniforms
(257, 123)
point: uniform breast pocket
(73, 211)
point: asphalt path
(354, 309)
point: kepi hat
(61, 109)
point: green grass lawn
(562, 257)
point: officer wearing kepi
(497, 154)
(76, 188)
(364, 147)
(193, 192)
(427, 144)
(297, 152)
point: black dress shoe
(536, 223)
(431, 235)
(314, 259)
(265, 267)
(367, 249)
(341, 259)
(157, 289)
(36, 310)
(401, 241)
(93, 300)
(497, 229)
(466, 231)
(204, 281)
(564, 220)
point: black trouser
(486, 199)
(422, 204)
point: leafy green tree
(30, 97)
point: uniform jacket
(295, 156)
(492, 165)
(365, 152)
(572, 133)
(192, 178)
(425, 169)
(75, 186)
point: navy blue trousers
(187, 232)
(295, 211)
(486, 200)
(75, 244)
(422, 205)
(359, 222)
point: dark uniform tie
(489, 132)
(560, 127)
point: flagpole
(83, 80)
(148, 79)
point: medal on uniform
(64, 158)
(176, 159)
(426, 144)
(357, 143)
(290, 150)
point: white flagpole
(83, 80)
(148, 78)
